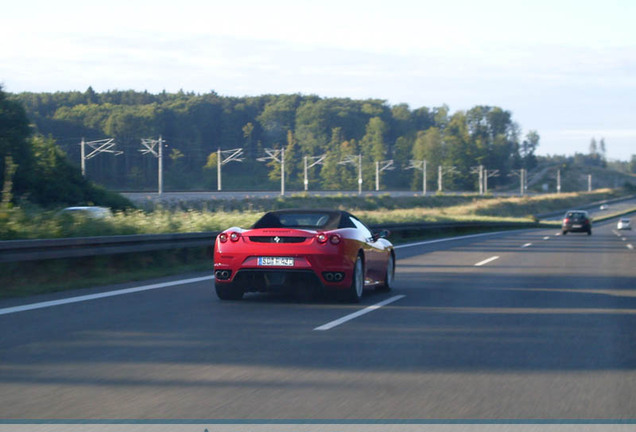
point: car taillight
(566, 220)
(223, 237)
(334, 239)
(234, 237)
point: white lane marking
(364, 311)
(526, 245)
(42, 305)
(89, 297)
(548, 237)
(491, 259)
(557, 234)
(453, 238)
(630, 247)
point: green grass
(25, 223)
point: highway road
(518, 325)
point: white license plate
(577, 226)
(276, 261)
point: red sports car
(303, 249)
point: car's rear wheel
(389, 275)
(354, 293)
(564, 232)
(589, 232)
(228, 291)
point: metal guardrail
(35, 250)
(586, 206)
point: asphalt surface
(546, 330)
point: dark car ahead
(576, 221)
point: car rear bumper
(323, 271)
(570, 228)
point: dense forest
(193, 127)
(34, 170)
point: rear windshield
(312, 220)
(576, 215)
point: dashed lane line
(486, 261)
(447, 239)
(357, 314)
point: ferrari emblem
(277, 239)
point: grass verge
(26, 223)
(40, 277)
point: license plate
(276, 261)
(577, 226)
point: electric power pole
(359, 174)
(233, 155)
(99, 146)
(522, 179)
(487, 175)
(440, 174)
(155, 147)
(277, 155)
(420, 165)
(353, 160)
(315, 160)
(379, 167)
(479, 170)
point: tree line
(33, 170)
(194, 126)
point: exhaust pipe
(333, 276)
(222, 274)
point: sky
(566, 69)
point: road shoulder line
(89, 297)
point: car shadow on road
(449, 322)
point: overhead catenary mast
(155, 147)
(223, 157)
(99, 146)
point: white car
(624, 224)
(91, 212)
